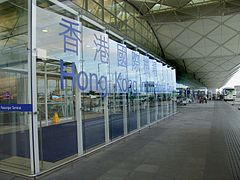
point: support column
(106, 106)
(167, 106)
(46, 93)
(106, 120)
(32, 88)
(125, 124)
(156, 107)
(78, 98)
(138, 112)
(148, 109)
(78, 114)
(162, 112)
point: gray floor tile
(189, 146)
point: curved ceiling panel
(202, 36)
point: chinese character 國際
(101, 43)
(146, 65)
(154, 68)
(71, 35)
(135, 61)
(122, 55)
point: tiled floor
(191, 145)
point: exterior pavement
(201, 142)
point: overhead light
(45, 30)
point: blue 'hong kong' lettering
(124, 85)
(93, 82)
(85, 81)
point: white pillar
(32, 88)
(125, 130)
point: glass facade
(118, 16)
(14, 126)
(68, 89)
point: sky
(235, 80)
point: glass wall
(57, 125)
(117, 88)
(77, 89)
(169, 90)
(14, 94)
(120, 16)
(133, 95)
(153, 104)
(144, 98)
(159, 91)
(173, 90)
(95, 68)
(165, 93)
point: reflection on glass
(132, 100)
(14, 134)
(95, 8)
(116, 105)
(109, 18)
(56, 97)
(14, 126)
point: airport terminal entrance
(67, 89)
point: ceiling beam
(216, 8)
(162, 51)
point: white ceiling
(203, 38)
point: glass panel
(130, 32)
(138, 38)
(145, 33)
(130, 9)
(109, 18)
(41, 99)
(174, 91)
(169, 90)
(94, 94)
(118, 88)
(121, 26)
(150, 38)
(110, 5)
(144, 23)
(159, 91)
(137, 14)
(80, 3)
(138, 27)
(95, 9)
(120, 11)
(14, 125)
(60, 101)
(133, 91)
(165, 93)
(130, 20)
(152, 91)
(56, 94)
(144, 96)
